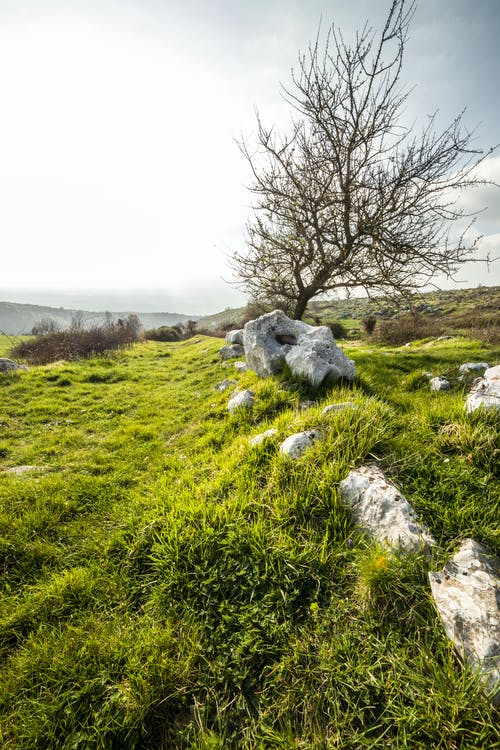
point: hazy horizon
(120, 173)
(144, 301)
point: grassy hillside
(454, 310)
(165, 585)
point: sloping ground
(166, 585)
(455, 309)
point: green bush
(163, 333)
(338, 330)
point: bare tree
(350, 197)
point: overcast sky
(118, 163)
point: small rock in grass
(467, 596)
(382, 511)
(338, 407)
(439, 384)
(304, 405)
(295, 445)
(472, 367)
(485, 391)
(224, 385)
(8, 365)
(258, 439)
(242, 400)
(241, 366)
(235, 336)
(231, 350)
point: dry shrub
(78, 343)
(482, 323)
(488, 334)
(408, 327)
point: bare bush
(44, 326)
(408, 327)
(78, 342)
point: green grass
(165, 585)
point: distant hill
(17, 318)
(450, 304)
(447, 303)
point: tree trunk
(300, 307)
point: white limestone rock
(485, 391)
(310, 352)
(258, 439)
(235, 336)
(8, 365)
(439, 384)
(295, 445)
(231, 351)
(467, 596)
(241, 400)
(468, 367)
(382, 511)
(241, 366)
(225, 385)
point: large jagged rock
(485, 392)
(467, 597)
(310, 352)
(8, 365)
(382, 511)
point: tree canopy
(351, 197)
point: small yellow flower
(380, 562)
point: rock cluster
(310, 352)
